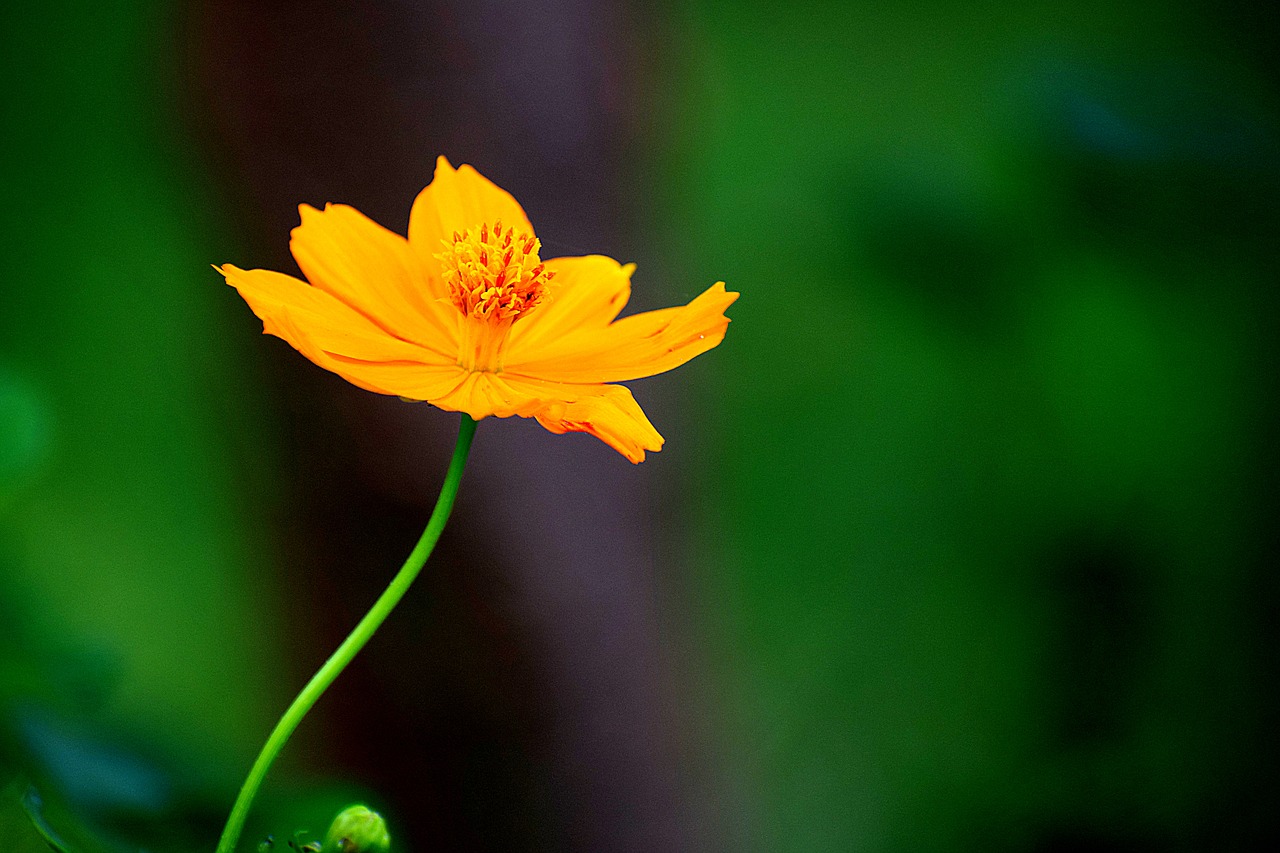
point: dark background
(962, 540)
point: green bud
(356, 829)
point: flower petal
(482, 394)
(608, 412)
(635, 346)
(455, 200)
(337, 338)
(320, 317)
(371, 269)
(586, 293)
(410, 380)
(611, 415)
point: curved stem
(354, 641)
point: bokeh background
(963, 540)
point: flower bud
(356, 829)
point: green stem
(353, 643)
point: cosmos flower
(464, 314)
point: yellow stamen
(494, 278)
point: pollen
(492, 274)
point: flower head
(466, 315)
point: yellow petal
(608, 412)
(455, 200)
(339, 339)
(586, 293)
(636, 346)
(483, 394)
(408, 379)
(372, 269)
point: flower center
(494, 278)
(492, 275)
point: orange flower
(466, 316)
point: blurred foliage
(131, 539)
(990, 527)
(137, 665)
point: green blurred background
(963, 540)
